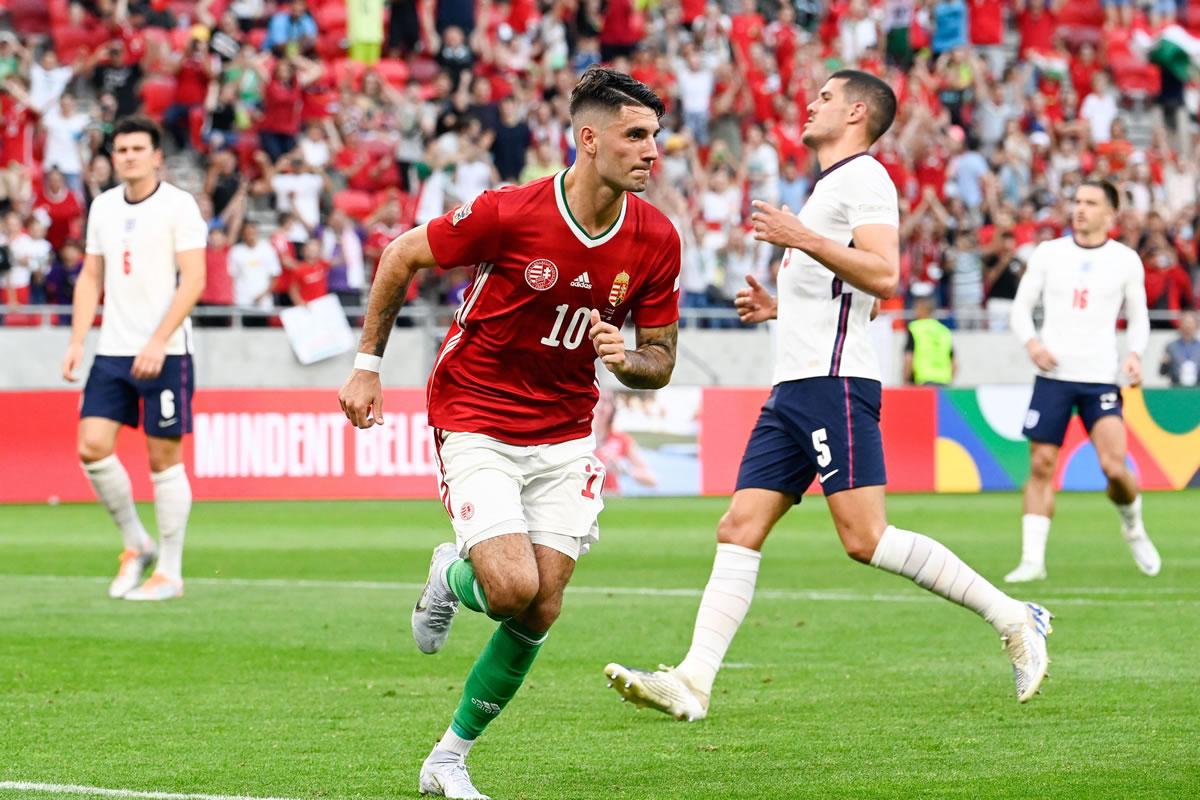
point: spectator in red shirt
(622, 29)
(1168, 285)
(61, 207)
(1037, 21)
(310, 278)
(746, 28)
(194, 70)
(282, 103)
(218, 286)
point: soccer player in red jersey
(559, 264)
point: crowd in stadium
(311, 145)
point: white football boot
(1145, 554)
(444, 774)
(158, 587)
(134, 564)
(665, 690)
(1025, 644)
(1026, 572)
(437, 605)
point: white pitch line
(1059, 596)
(99, 791)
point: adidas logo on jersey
(582, 282)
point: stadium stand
(462, 95)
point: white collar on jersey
(586, 239)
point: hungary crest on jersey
(620, 287)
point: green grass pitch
(288, 669)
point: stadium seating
(28, 16)
(157, 95)
(1133, 76)
(358, 205)
(393, 71)
(71, 42)
(344, 69)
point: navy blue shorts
(823, 428)
(112, 393)
(1054, 402)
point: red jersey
(65, 214)
(218, 283)
(517, 364)
(987, 21)
(16, 132)
(311, 279)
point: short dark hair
(603, 88)
(879, 97)
(139, 123)
(1109, 189)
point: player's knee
(860, 543)
(513, 595)
(737, 527)
(543, 613)
(861, 548)
(1113, 466)
(1041, 466)
(158, 463)
(93, 448)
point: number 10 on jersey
(575, 331)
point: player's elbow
(887, 286)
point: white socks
(724, 605)
(1131, 515)
(451, 742)
(111, 483)
(1035, 530)
(932, 566)
(172, 504)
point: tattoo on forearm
(384, 320)
(651, 364)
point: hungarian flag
(1051, 65)
(1173, 49)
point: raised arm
(362, 395)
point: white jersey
(138, 242)
(823, 321)
(1081, 290)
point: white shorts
(549, 492)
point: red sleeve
(658, 306)
(468, 235)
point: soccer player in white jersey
(145, 251)
(1081, 282)
(822, 418)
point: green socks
(498, 673)
(461, 577)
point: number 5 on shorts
(823, 454)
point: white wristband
(367, 362)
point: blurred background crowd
(312, 133)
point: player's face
(626, 150)
(135, 157)
(827, 114)
(1091, 212)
